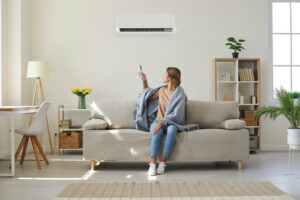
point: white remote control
(140, 70)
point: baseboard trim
(275, 147)
(4, 154)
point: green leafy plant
(294, 95)
(287, 108)
(235, 45)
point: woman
(158, 128)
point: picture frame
(225, 77)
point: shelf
(248, 104)
(76, 149)
(235, 59)
(248, 82)
(70, 129)
(74, 109)
(234, 87)
(227, 82)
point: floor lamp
(38, 70)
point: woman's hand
(144, 80)
(156, 128)
(142, 76)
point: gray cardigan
(146, 110)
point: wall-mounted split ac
(145, 24)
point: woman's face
(166, 78)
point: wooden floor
(31, 183)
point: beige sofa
(122, 142)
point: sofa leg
(240, 164)
(92, 165)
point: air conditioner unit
(145, 24)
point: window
(0, 52)
(286, 45)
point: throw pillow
(95, 124)
(232, 124)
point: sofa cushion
(197, 145)
(116, 144)
(209, 114)
(95, 124)
(211, 145)
(118, 114)
(96, 113)
(232, 124)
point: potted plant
(235, 45)
(81, 93)
(290, 110)
(295, 96)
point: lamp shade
(37, 69)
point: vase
(293, 138)
(81, 102)
(235, 54)
(295, 101)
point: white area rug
(244, 190)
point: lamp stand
(38, 94)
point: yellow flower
(71, 90)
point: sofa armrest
(232, 124)
(95, 124)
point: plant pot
(295, 101)
(293, 138)
(235, 54)
(81, 102)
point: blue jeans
(171, 132)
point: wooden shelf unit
(236, 87)
(77, 132)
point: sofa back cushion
(118, 114)
(209, 114)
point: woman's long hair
(175, 75)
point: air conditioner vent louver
(145, 23)
(145, 29)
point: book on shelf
(65, 123)
(252, 73)
(71, 127)
(249, 74)
(246, 74)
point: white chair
(37, 127)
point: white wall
(78, 39)
(11, 62)
(15, 54)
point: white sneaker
(161, 167)
(152, 169)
